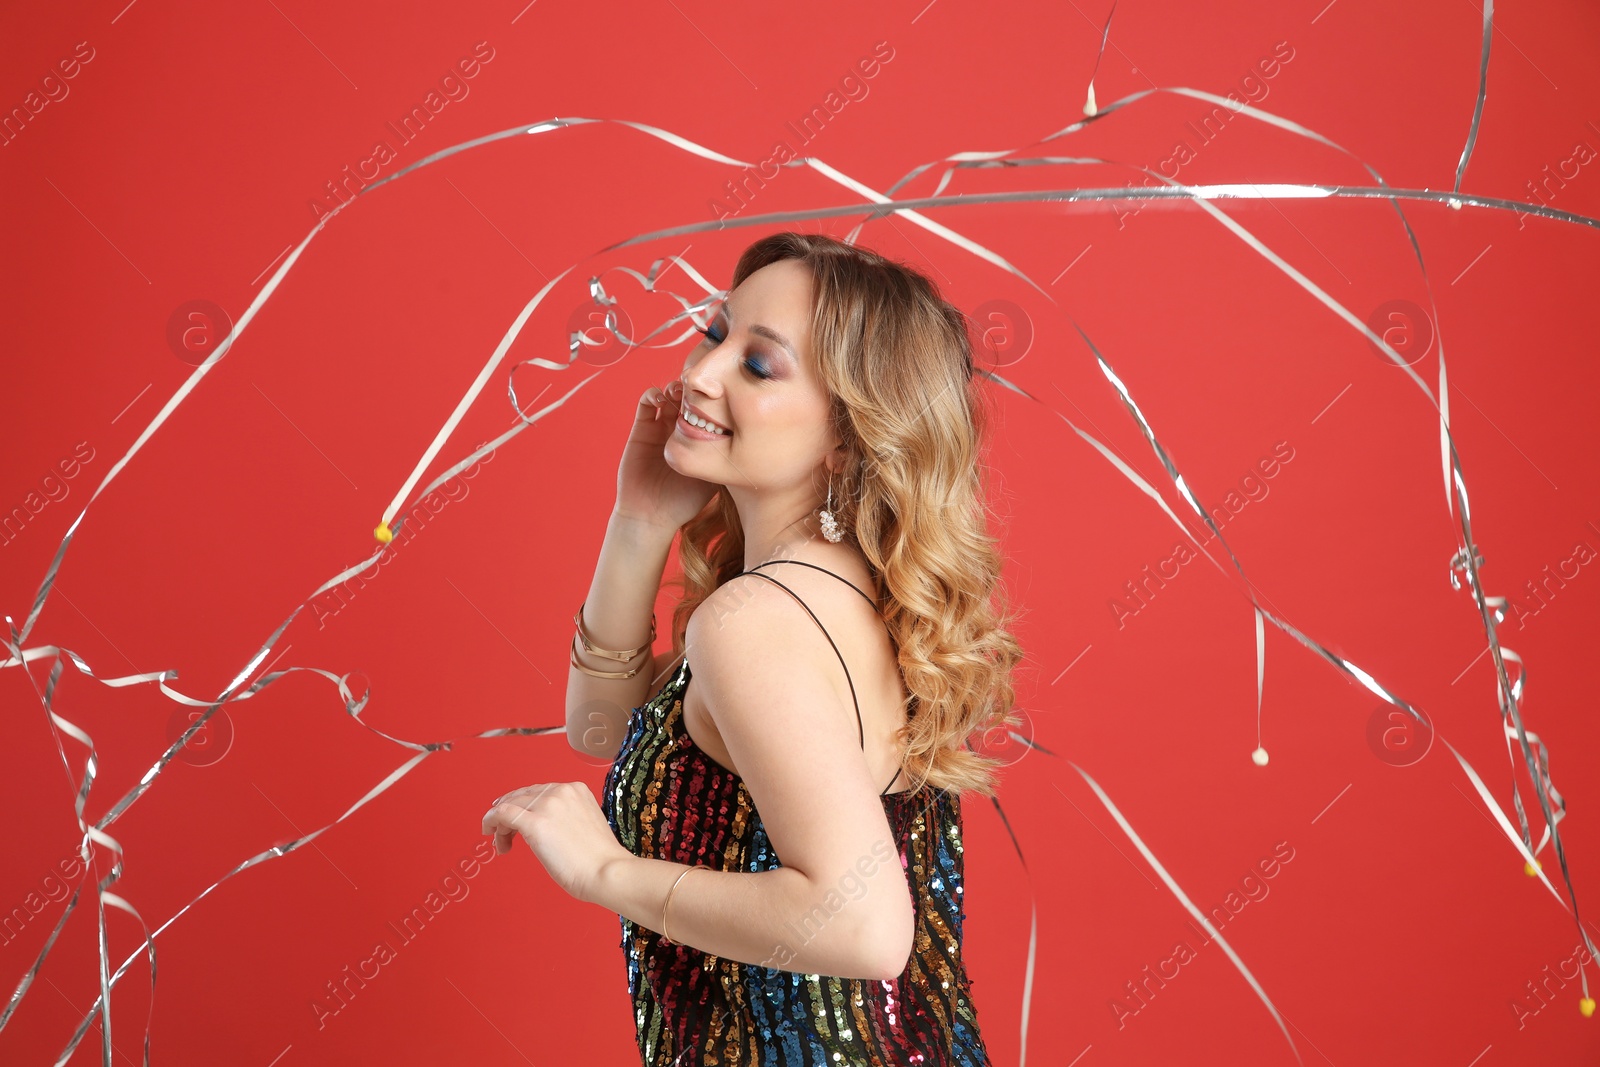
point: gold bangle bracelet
(604, 674)
(621, 656)
(665, 939)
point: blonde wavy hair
(896, 359)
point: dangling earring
(830, 525)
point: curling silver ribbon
(1455, 480)
(883, 206)
(93, 832)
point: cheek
(778, 428)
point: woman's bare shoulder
(754, 665)
(743, 611)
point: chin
(674, 457)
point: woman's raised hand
(648, 489)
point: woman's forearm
(616, 614)
(856, 925)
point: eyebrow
(763, 331)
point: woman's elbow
(893, 949)
(594, 730)
(594, 742)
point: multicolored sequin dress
(666, 799)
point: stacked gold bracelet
(621, 656)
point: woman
(820, 456)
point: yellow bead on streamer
(1532, 869)
(1586, 1006)
(383, 534)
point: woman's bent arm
(841, 902)
(616, 614)
(779, 918)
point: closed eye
(757, 368)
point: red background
(182, 163)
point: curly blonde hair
(896, 359)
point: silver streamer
(873, 205)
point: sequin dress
(667, 799)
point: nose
(703, 370)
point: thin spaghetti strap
(864, 596)
(860, 724)
(824, 570)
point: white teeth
(694, 420)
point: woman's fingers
(504, 814)
(526, 790)
(654, 397)
(500, 820)
(658, 397)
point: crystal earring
(830, 525)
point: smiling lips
(692, 418)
